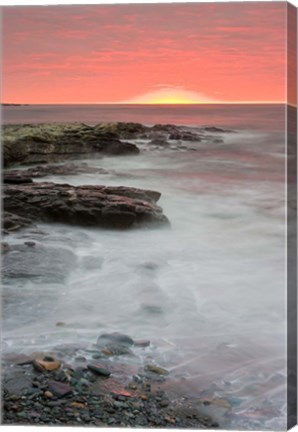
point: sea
(210, 292)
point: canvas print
(149, 224)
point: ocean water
(209, 292)
(251, 117)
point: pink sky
(204, 52)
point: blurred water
(259, 116)
(209, 292)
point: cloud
(236, 49)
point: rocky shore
(92, 206)
(44, 143)
(92, 388)
(79, 385)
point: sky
(145, 53)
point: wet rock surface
(27, 175)
(53, 142)
(108, 338)
(93, 206)
(95, 394)
(31, 260)
(13, 222)
(44, 143)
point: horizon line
(156, 103)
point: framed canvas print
(149, 224)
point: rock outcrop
(16, 176)
(124, 130)
(44, 143)
(93, 206)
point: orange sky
(204, 52)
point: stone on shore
(47, 363)
(13, 222)
(99, 369)
(59, 389)
(156, 369)
(142, 343)
(108, 338)
(92, 206)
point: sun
(175, 99)
(171, 95)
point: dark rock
(17, 382)
(107, 207)
(14, 222)
(55, 142)
(52, 169)
(99, 369)
(116, 349)
(16, 178)
(165, 128)
(160, 142)
(185, 136)
(59, 389)
(30, 243)
(15, 358)
(122, 130)
(37, 367)
(115, 337)
(216, 129)
(156, 369)
(142, 343)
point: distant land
(13, 104)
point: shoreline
(46, 389)
(76, 393)
(21, 177)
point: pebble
(81, 359)
(116, 349)
(170, 419)
(105, 351)
(99, 369)
(119, 404)
(30, 243)
(75, 402)
(142, 343)
(59, 389)
(156, 369)
(114, 337)
(47, 363)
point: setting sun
(171, 95)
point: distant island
(13, 104)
